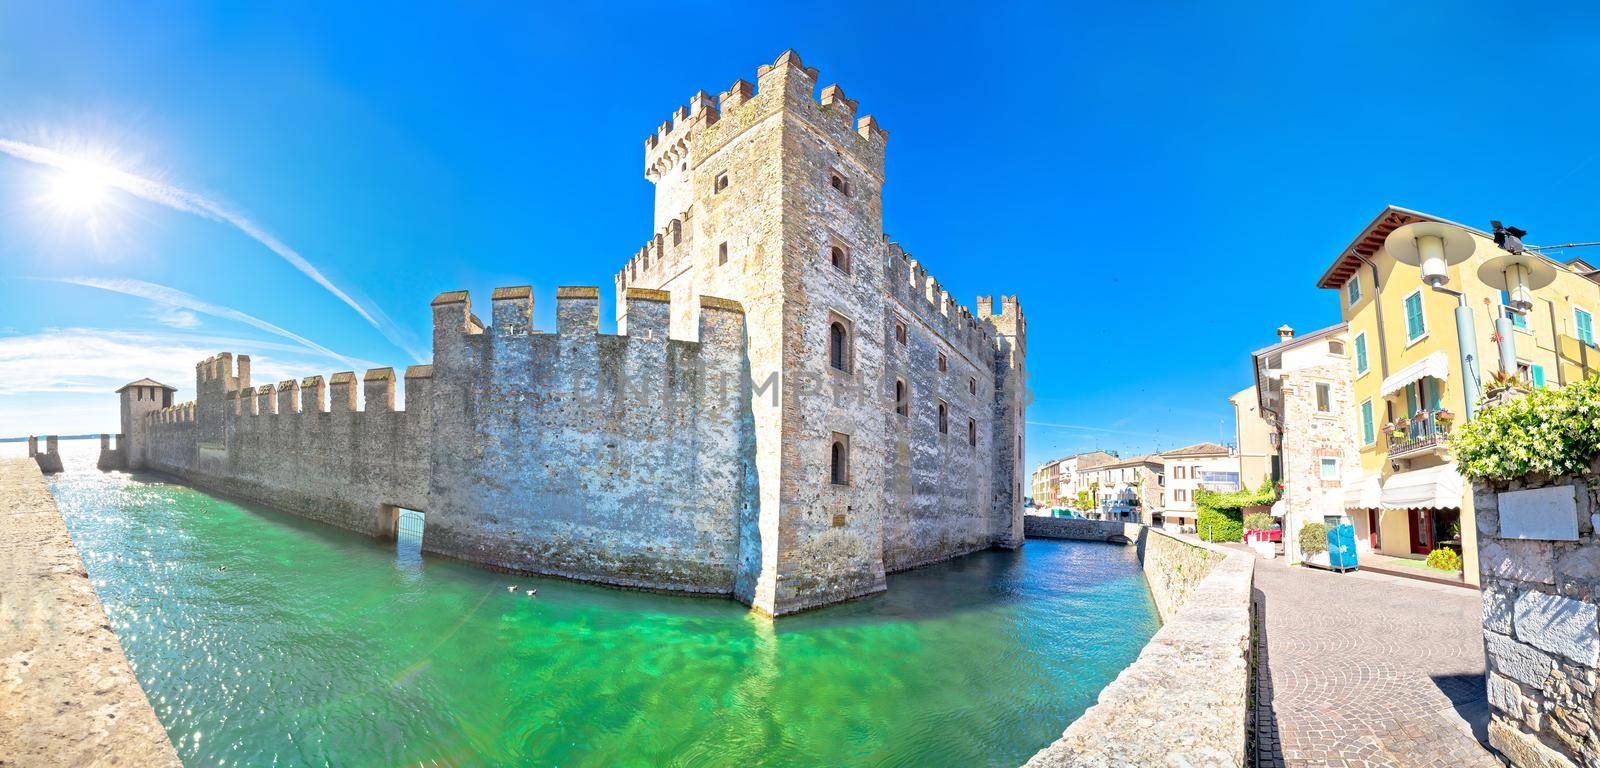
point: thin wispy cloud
(180, 199)
(176, 299)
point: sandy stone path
(67, 694)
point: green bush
(1219, 525)
(1313, 539)
(1444, 559)
(1221, 514)
(1258, 521)
(1545, 432)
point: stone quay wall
(67, 693)
(1539, 560)
(1184, 700)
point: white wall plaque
(1546, 514)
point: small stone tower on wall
(137, 399)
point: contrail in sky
(180, 199)
(162, 294)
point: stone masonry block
(1518, 661)
(1559, 625)
(1518, 560)
(1497, 608)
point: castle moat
(265, 639)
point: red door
(1421, 531)
(1372, 528)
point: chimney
(1285, 333)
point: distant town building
(1060, 483)
(1126, 489)
(1405, 361)
(1189, 469)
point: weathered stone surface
(1497, 608)
(1524, 750)
(67, 693)
(1182, 703)
(1518, 661)
(1517, 560)
(1560, 625)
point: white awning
(1436, 365)
(1432, 488)
(1362, 491)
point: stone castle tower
(774, 198)
(792, 409)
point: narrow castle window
(839, 184)
(972, 432)
(972, 386)
(944, 418)
(840, 258)
(839, 346)
(722, 254)
(721, 183)
(902, 400)
(900, 332)
(839, 460)
(944, 364)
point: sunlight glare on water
(263, 639)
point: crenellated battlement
(785, 81)
(665, 254)
(645, 315)
(909, 282)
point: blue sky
(1161, 183)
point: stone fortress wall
(694, 450)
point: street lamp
(1434, 247)
(1519, 274)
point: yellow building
(1406, 360)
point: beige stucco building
(1255, 439)
(1126, 489)
(1189, 469)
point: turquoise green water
(263, 639)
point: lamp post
(1434, 247)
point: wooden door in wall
(1420, 521)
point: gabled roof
(145, 383)
(1391, 218)
(1306, 338)
(1135, 461)
(1198, 449)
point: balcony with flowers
(1423, 432)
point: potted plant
(1444, 418)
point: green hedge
(1221, 516)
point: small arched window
(902, 402)
(972, 432)
(839, 184)
(944, 418)
(838, 346)
(840, 259)
(839, 460)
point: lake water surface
(263, 639)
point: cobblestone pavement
(1366, 670)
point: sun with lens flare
(81, 187)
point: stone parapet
(1539, 560)
(70, 697)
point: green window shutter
(1537, 371)
(1414, 323)
(1411, 401)
(1434, 394)
(1368, 435)
(1361, 354)
(1585, 327)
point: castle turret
(139, 398)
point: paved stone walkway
(1366, 670)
